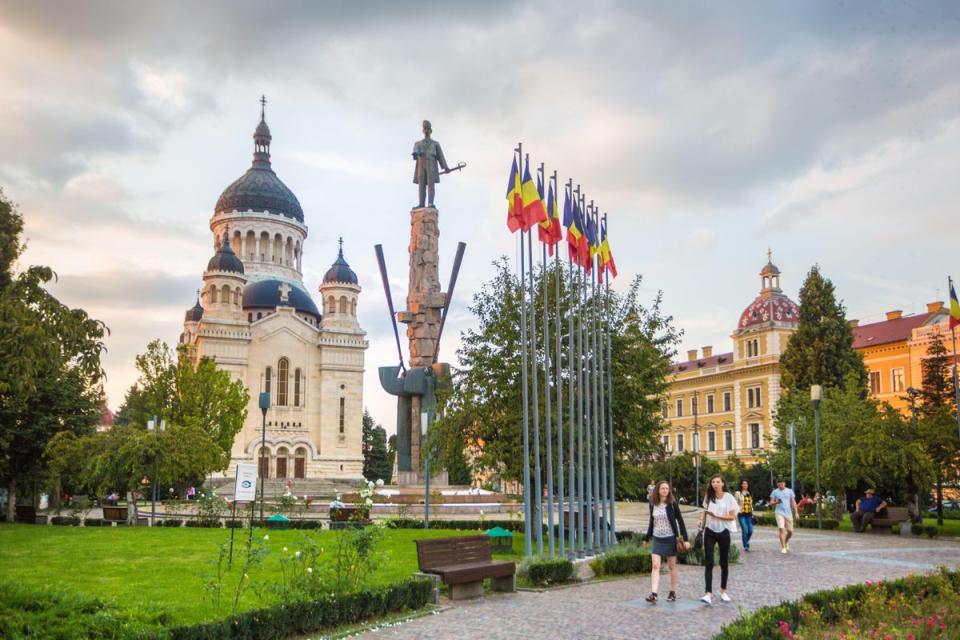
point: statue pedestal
(417, 479)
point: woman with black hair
(669, 538)
(718, 520)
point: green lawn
(949, 527)
(160, 568)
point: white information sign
(246, 488)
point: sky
(709, 132)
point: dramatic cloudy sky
(709, 131)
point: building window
(664, 409)
(679, 442)
(710, 404)
(296, 387)
(875, 382)
(756, 347)
(749, 348)
(343, 409)
(728, 440)
(666, 442)
(753, 398)
(711, 441)
(267, 378)
(694, 405)
(896, 379)
(283, 368)
(754, 435)
(727, 401)
(679, 407)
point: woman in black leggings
(718, 520)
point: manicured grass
(949, 527)
(160, 568)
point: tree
(821, 350)
(937, 417)
(484, 410)
(376, 460)
(50, 368)
(185, 390)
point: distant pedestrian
(651, 488)
(786, 503)
(669, 537)
(718, 521)
(745, 516)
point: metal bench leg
(506, 583)
(466, 590)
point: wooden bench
(25, 514)
(114, 514)
(890, 517)
(462, 563)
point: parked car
(948, 505)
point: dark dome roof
(266, 295)
(225, 259)
(259, 189)
(340, 271)
(194, 314)
(767, 307)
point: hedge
(281, 621)
(805, 522)
(206, 524)
(93, 522)
(171, 522)
(461, 525)
(72, 521)
(622, 559)
(546, 571)
(763, 624)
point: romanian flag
(583, 243)
(954, 306)
(593, 243)
(514, 199)
(606, 255)
(549, 231)
(533, 210)
(573, 229)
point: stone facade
(256, 320)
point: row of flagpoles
(586, 495)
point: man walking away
(786, 503)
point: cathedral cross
(284, 292)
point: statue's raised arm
(428, 161)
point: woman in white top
(718, 521)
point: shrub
(916, 530)
(546, 571)
(622, 559)
(459, 525)
(171, 522)
(93, 522)
(233, 524)
(70, 521)
(930, 530)
(193, 522)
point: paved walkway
(616, 609)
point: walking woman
(669, 536)
(745, 516)
(718, 521)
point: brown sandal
(671, 597)
(652, 598)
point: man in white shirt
(786, 503)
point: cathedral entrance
(282, 463)
(300, 464)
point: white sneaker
(707, 599)
(783, 549)
(725, 598)
(788, 547)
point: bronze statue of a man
(429, 159)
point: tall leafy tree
(377, 464)
(937, 418)
(821, 350)
(484, 411)
(50, 370)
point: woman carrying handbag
(718, 521)
(669, 538)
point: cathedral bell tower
(223, 283)
(340, 290)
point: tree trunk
(11, 500)
(131, 509)
(940, 501)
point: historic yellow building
(722, 404)
(894, 348)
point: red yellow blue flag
(514, 199)
(549, 231)
(533, 210)
(606, 255)
(954, 306)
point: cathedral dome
(194, 314)
(259, 189)
(771, 305)
(268, 294)
(225, 259)
(340, 271)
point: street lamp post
(155, 426)
(696, 440)
(264, 405)
(793, 456)
(816, 393)
(913, 393)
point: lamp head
(816, 392)
(264, 400)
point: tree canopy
(377, 464)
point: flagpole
(581, 498)
(594, 367)
(956, 387)
(611, 477)
(587, 415)
(546, 383)
(573, 494)
(523, 376)
(601, 414)
(538, 504)
(558, 368)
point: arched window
(331, 305)
(282, 455)
(213, 293)
(278, 248)
(343, 304)
(267, 376)
(300, 463)
(296, 387)
(288, 252)
(343, 414)
(237, 295)
(250, 317)
(264, 246)
(283, 368)
(225, 294)
(250, 246)
(353, 307)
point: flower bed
(912, 608)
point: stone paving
(615, 609)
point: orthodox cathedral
(256, 319)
